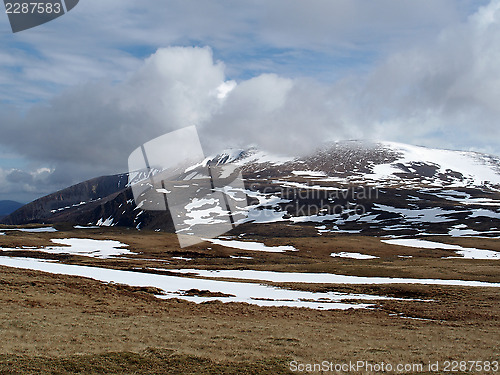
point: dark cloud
(19, 177)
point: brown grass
(313, 255)
(62, 324)
(150, 361)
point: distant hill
(7, 207)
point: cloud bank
(444, 92)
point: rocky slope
(67, 202)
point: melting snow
(352, 255)
(88, 247)
(264, 157)
(106, 223)
(182, 258)
(33, 230)
(465, 252)
(427, 215)
(324, 278)
(485, 213)
(461, 230)
(81, 246)
(176, 286)
(309, 173)
(476, 169)
(74, 205)
(263, 215)
(252, 246)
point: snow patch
(81, 246)
(176, 286)
(252, 246)
(352, 255)
(309, 173)
(106, 223)
(465, 252)
(325, 278)
(475, 168)
(33, 230)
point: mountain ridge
(86, 192)
(417, 190)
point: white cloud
(225, 88)
(90, 129)
(444, 92)
(100, 39)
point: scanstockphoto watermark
(207, 197)
(313, 192)
(448, 366)
(307, 201)
(24, 15)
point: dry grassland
(56, 324)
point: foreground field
(65, 324)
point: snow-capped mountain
(384, 164)
(351, 186)
(440, 168)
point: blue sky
(78, 94)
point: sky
(80, 93)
